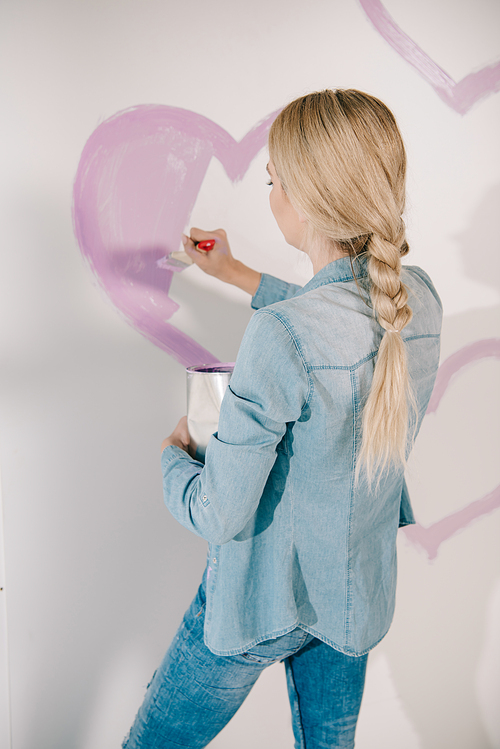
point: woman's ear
(302, 218)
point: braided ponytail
(386, 413)
(340, 158)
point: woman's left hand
(179, 437)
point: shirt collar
(340, 271)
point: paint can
(206, 385)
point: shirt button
(214, 560)
(204, 496)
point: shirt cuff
(172, 452)
(406, 516)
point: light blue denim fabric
(194, 693)
(293, 541)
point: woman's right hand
(220, 262)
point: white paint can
(206, 385)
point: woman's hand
(180, 437)
(220, 262)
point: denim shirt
(293, 541)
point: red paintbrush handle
(206, 246)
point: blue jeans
(195, 693)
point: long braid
(386, 412)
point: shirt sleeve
(268, 389)
(271, 290)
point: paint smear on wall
(431, 538)
(137, 182)
(459, 96)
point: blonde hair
(341, 161)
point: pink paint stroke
(488, 347)
(430, 538)
(136, 184)
(459, 96)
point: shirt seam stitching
(298, 347)
(372, 355)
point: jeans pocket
(257, 658)
(276, 650)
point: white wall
(97, 572)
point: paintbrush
(177, 261)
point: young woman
(303, 489)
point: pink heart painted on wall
(136, 184)
(430, 538)
(459, 96)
